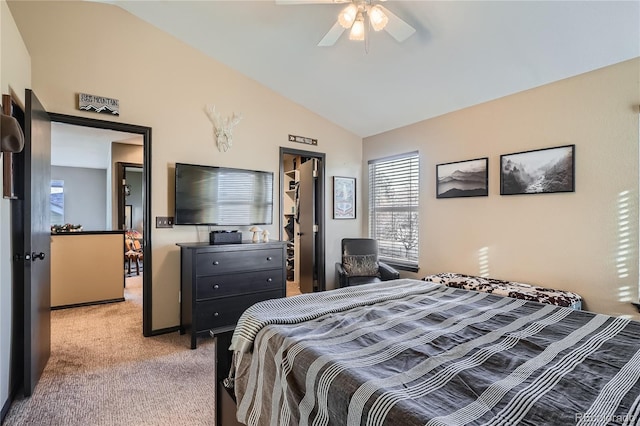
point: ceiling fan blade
(332, 36)
(287, 2)
(398, 28)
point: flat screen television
(208, 195)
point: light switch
(164, 221)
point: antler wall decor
(222, 127)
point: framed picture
(538, 171)
(344, 197)
(468, 178)
(128, 219)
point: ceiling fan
(355, 16)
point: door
(308, 225)
(34, 172)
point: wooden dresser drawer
(219, 282)
(208, 263)
(211, 286)
(226, 311)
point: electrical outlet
(164, 221)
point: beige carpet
(102, 371)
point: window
(56, 202)
(393, 208)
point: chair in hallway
(130, 253)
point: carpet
(102, 371)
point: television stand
(219, 282)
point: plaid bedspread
(407, 352)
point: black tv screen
(207, 195)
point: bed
(409, 352)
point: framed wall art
(538, 171)
(469, 178)
(344, 197)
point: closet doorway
(302, 219)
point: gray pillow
(360, 265)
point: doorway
(113, 216)
(302, 221)
(130, 207)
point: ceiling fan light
(378, 18)
(348, 15)
(357, 30)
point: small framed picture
(344, 197)
(539, 171)
(468, 178)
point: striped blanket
(407, 352)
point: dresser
(218, 282)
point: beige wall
(164, 84)
(76, 255)
(568, 241)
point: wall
(164, 84)
(15, 76)
(571, 241)
(85, 196)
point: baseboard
(77, 305)
(5, 409)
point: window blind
(393, 207)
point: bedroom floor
(102, 371)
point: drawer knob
(216, 286)
(269, 280)
(216, 262)
(215, 314)
(269, 258)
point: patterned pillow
(360, 265)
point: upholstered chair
(360, 264)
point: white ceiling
(463, 52)
(79, 146)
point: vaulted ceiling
(463, 52)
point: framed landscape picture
(344, 197)
(468, 178)
(538, 171)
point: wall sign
(99, 104)
(302, 139)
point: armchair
(360, 264)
